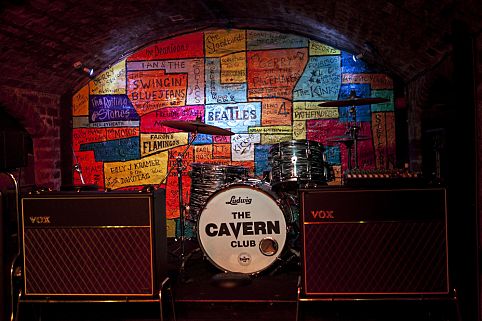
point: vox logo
(323, 214)
(40, 219)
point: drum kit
(243, 224)
(351, 137)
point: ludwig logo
(323, 214)
(40, 219)
(239, 200)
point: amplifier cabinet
(374, 242)
(94, 243)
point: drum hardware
(229, 280)
(292, 254)
(180, 167)
(352, 137)
(77, 168)
(353, 100)
(195, 127)
(83, 187)
(268, 246)
(351, 142)
(290, 202)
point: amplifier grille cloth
(375, 257)
(88, 260)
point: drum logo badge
(239, 200)
(244, 259)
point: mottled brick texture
(39, 114)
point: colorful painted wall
(263, 86)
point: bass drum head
(242, 229)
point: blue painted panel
(119, 150)
(320, 80)
(106, 108)
(261, 153)
(349, 66)
(363, 114)
(333, 155)
(382, 107)
(217, 93)
(202, 139)
(189, 228)
(361, 90)
(236, 117)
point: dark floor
(201, 293)
(243, 311)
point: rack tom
(209, 178)
(298, 162)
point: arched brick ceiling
(41, 39)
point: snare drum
(298, 162)
(209, 178)
(242, 228)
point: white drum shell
(250, 212)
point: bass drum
(242, 228)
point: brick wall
(427, 111)
(39, 114)
(449, 109)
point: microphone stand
(353, 132)
(180, 167)
(77, 168)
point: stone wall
(39, 113)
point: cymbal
(196, 126)
(346, 139)
(353, 100)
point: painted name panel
(264, 86)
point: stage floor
(203, 293)
(203, 282)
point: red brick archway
(38, 113)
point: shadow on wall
(16, 167)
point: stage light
(356, 57)
(87, 70)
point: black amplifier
(94, 243)
(374, 242)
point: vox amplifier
(94, 243)
(379, 242)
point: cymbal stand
(182, 219)
(353, 132)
